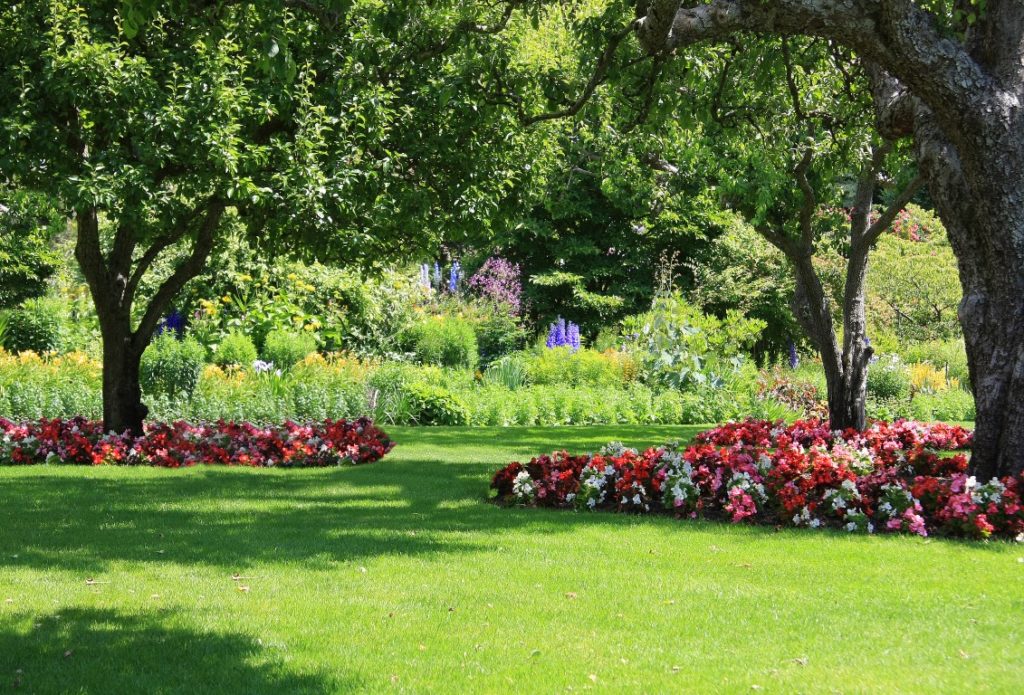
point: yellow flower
(226, 299)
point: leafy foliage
(171, 366)
(28, 224)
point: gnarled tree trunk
(981, 201)
(113, 278)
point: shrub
(947, 355)
(681, 347)
(35, 326)
(888, 378)
(32, 386)
(236, 349)
(435, 405)
(498, 333)
(445, 341)
(171, 367)
(954, 405)
(562, 365)
(287, 348)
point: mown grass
(400, 577)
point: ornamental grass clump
(902, 477)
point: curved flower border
(78, 441)
(900, 477)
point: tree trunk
(846, 387)
(856, 351)
(123, 410)
(992, 316)
(980, 198)
(113, 280)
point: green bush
(446, 342)
(681, 347)
(561, 365)
(35, 326)
(888, 379)
(954, 405)
(32, 386)
(286, 348)
(498, 333)
(435, 405)
(171, 367)
(236, 349)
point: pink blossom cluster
(894, 477)
(180, 444)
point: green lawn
(399, 576)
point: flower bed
(892, 477)
(174, 445)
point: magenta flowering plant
(499, 281)
(893, 477)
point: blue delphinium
(425, 275)
(437, 275)
(453, 276)
(794, 358)
(573, 336)
(561, 334)
(173, 322)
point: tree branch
(794, 93)
(864, 196)
(598, 77)
(90, 256)
(153, 252)
(886, 219)
(810, 201)
(190, 268)
(469, 26)
(896, 34)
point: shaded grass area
(400, 577)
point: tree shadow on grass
(531, 441)
(416, 504)
(106, 651)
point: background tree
(912, 281)
(320, 125)
(774, 130)
(28, 224)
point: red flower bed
(179, 444)
(901, 476)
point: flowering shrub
(897, 477)
(498, 281)
(179, 444)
